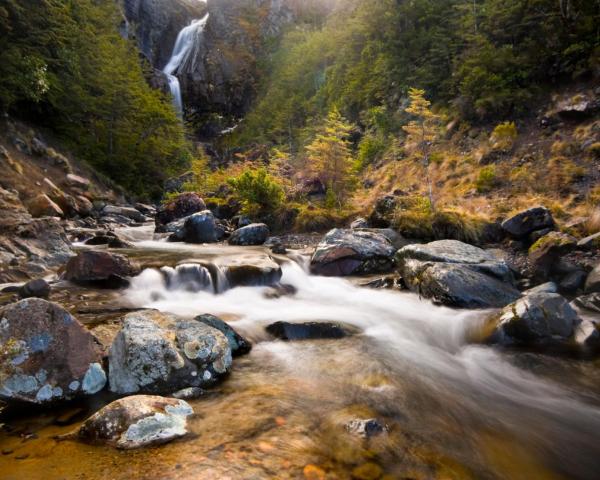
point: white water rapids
(183, 45)
(424, 345)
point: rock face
(48, 356)
(199, 228)
(253, 234)
(528, 221)
(538, 318)
(161, 353)
(352, 252)
(137, 421)
(457, 274)
(309, 330)
(101, 268)
(238, 344)
(184, 205)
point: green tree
(330, 157)
(422, 131)
(260, 192)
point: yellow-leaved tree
(330, 158)
(422, 130)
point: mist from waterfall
(183, 45)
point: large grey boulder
(457, 274)
(352, 252)
(238, 344)
(137, 421)
(199, 228)
(46, 354)
(528, 221)
(592, 283)
(538, 318)
(160, 353)
(253, 234)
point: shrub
(562, 172)
(486, 180)
(257, 190)
(504, 135)
(371, 147)
(316, 219)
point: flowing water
(453, 409)
(186, 39)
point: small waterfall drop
(183, 45)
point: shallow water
(453, 409)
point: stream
(451, 409)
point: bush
(258, 191)
(371, 147)
(316, 219)
(486, 180)
(504, 135)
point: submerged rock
(238, 344)
(160, 353)
(100, 268)
(528, 221)
(137, 421)
(457, 274)
(309, 330)
(48, 356)
(538, 318)
(253, 234)
(352, 252)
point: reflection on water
(452, 410)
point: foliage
(64, 64)
(330, 158)
(504, 135)
(259, 191)
(486, 180)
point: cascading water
(183, 45)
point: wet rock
(573, 281)
(545, 253)
(240, 221)
(279, 249)
(359, 223)
(352, 252)
(280, 290)
(589, 302)
(592, 283)
(388, 282)
(184, 205)
(528, 221)
(49, 356)
(144, 209)
(250, 270)
(538, 318)
(160, 353)
(309, 330)
(587, 336)
(137, 421)
(367, 428)
(238, 344)
(127, 212)
(457, 274)
(548, 287)
(43, 206)
(190, 393)
(103, 269)
(253, 234)
(37, 288)
(199, 228)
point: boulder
(253, 234)
(383, 211)
(127, 212)
(538, 318)
(578, 107)
(588, 302)
(548, 287)
(160, 353)
(359, 223)
(199, 228)
(238, 344)
(37, 288)
(528, 221)
(250, 270)
(573, 281)
(148, 210)
(43, 206)
(309, 330)
(78, 182)
(457, 274)
(137, 421)
(184, 205)
(100, 268)
(48, 356)
(592, 283)
(352, 252)
(587, 336)
(545, 253)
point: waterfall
(183, 45)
